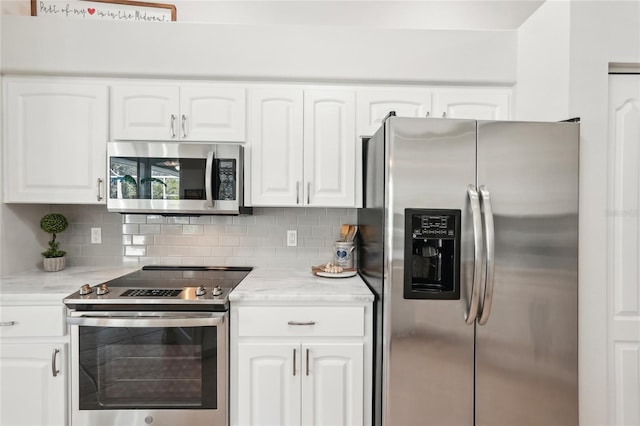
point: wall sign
(114, 10)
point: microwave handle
(208, 179)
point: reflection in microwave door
(194, 194)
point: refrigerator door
(526, 352)
(428, 352)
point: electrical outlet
(96, 235)
(292, 238)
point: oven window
(168, 367)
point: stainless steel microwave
(170, 178)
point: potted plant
(54, 223)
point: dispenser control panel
(432, 254)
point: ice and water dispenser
(432, 254)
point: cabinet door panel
(332, 384)
(276, 147)
(29, 394)
(144, 113)
(477, 105)
(56, 142)
(268, 388)
(329, 148)
(212, 114)
(374, 105)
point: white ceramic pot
(54, 264)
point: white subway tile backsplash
(255, 240)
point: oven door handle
(117, 319)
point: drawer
(32, 321)
(301, 321)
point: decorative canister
(343, 253)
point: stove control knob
(217, 291)
(102, 289)
(200, 291)
(85, 289)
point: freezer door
(526, 353)
(427, 345)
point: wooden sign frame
(117, 10)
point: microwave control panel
(226, 178)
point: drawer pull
(301, 323)
(54, 368)
(7, 323)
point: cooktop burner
(163, 288)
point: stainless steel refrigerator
(469, 240)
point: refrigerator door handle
(478, 246)
(489, 232)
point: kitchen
(557, 74)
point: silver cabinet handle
(301, 323)
(294, 361)
(470, 317)
(173, 126)
(100, 189)
(489, 234)
(54, 368)
(298, 192)
(307, 361)
(308, 192)
(184, 126)
(7, 323)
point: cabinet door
(55, 145)
(268, 384)
(145, 112)
(329, 148)
(473, 104)
(29, 392)
(212, 114)
(332, 384)
(374, 104)
(276, 147)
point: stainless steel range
(150, 347)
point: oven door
(149, 368)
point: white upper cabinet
(206, 113)
(302, 146)
(478, 104)
(276, 146)
(329, 148)
(55, 141)
(375, 104)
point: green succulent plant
(53, 223)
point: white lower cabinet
(294, 365)
(33, 366)
(33, 384)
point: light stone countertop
(262, 284)
(286, 285)
(38, 286)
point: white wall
(601, 32)
(284, 53)
(542, 90)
